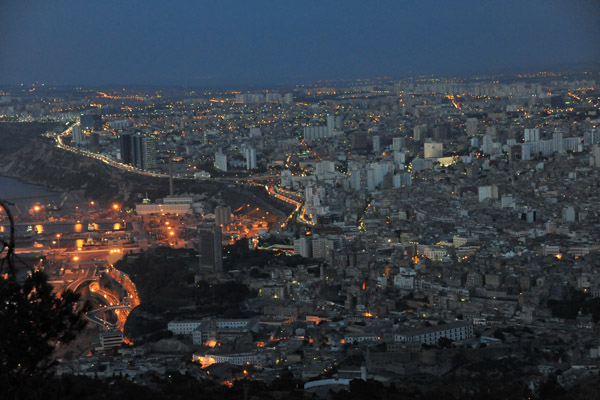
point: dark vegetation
(165, 280)
(574, 301)
(33, 320)
(175, 385)
(240, 256)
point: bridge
(92, 316)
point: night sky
(282, 42)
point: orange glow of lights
(37, 208)
(558, 256)
(117, 226)
(210, 343)
(364, 286)
(368, 314)
(204, 361)
(115, 206)
(342, 341)
(76, 258)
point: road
(86, 275)
(109, 161)
(92, 316)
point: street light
(58, 235)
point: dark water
(25, 195)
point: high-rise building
(221, 161)
(419, 133)
(126, 146)
(532, 135)
(472, 127)
(210, 249)
(94, 141)
(595, 156)
(77, 136)
(222, 215)
(250, 153)
(330, 125)
(400, 158)
(397, 143)
(286, 178)
(91, 122)
(255, 132)
(376, 144)
(359, 140)
(557, 142)
(138, 151)
(303, 247)
(148, 153)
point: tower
(222, 215)
(210, 249)
(250, 153)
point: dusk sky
(282, 42)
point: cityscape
(426, 235)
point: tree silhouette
(34, 321)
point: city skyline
(74, 43)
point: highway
(58, 138)
(86, 275)
(92, 316)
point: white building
(221, 161)
(376, 144)
(255, 132)
(303, 247)
(397, 143)
(430, 335)
(487, 192)
(433, 150)
(250, 153)
(532, 135)
(360, 337)
(183, 327)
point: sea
(25, 195)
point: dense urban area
(390, 238)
